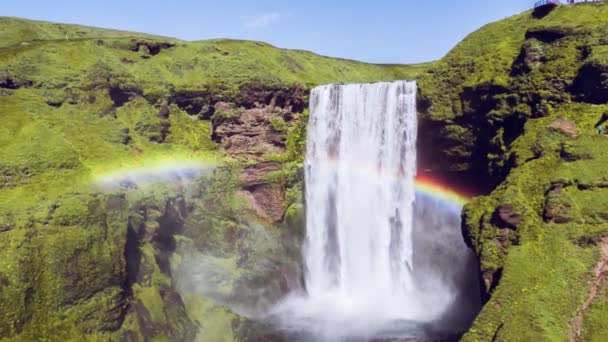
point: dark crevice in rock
(585, 52)
(150, 48)
(125, 137)
(548, 34)
(9, 82)
(171, 223)
(54, 103)
(198, 103)
(491, 279)
(513, 127)
(530, 57)
(542, 11)
(253, 94)
(132, 254)
(121, 96)
(591, 83)
(592, 186)
(495, 336)
(27, 303)
(569, 155)
(505, 217)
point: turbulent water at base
(360, 269)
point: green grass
(486, 56)
(14, 31)
(595, 329)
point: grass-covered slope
(14, 31)
(81, 263)
(477, 98)
(515, 106)
(86, 96)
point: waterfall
(369, 272)
(360, 169)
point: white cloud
(261, 20)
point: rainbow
(151, 171)
(427, 187)
(177, 169)
(434, 189)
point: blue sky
(380, 31)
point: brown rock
(564, 126)
(505, 217)
(252, 175)
(248, 133)
(266, 200)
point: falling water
(360, 169)
(358, 251)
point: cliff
(513, 109)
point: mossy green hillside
(475, 101)
(81, 103)
(514, 107)
(14, 31)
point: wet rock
(506, 217)
(565, 127)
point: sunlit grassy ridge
(14, 31)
